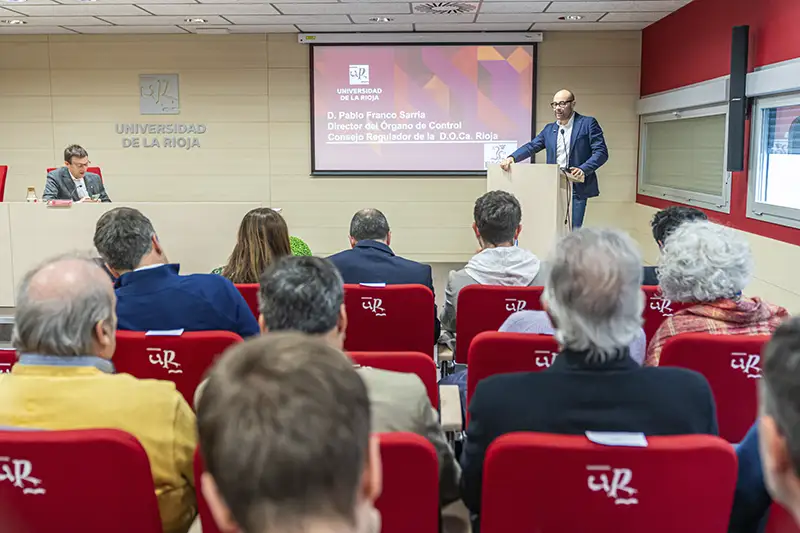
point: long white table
(199, 236)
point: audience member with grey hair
(594, 298)
(371, 260)
(64, 332)
(306, 294)
(709, 265)
(151, 293)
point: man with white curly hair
(594, 297)
(710, 265)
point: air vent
(445, 8)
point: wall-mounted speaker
(737, 98)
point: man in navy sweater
(151, 295)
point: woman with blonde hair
(263, 239)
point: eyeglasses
(81, 165)
(561, 104)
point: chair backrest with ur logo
(182, 359)
(389, 318)
(485, 307)
(732, 366)
(557, 483)
(79, 480)
(416, 363)
(8, 357)
(657, 309)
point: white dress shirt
(80, 186)
(562, 142)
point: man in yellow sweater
(64, 331)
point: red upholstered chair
(391, 318)
(181, 359)
(82, 481)
(412, 362)
(207, 521)
(3, 176)
(93, 170)
(657, 309)
(409, 501)
(8, 359)
(485, 308)
(780, 521)
(560, 483)
(731, 364)
(249, 292)
(493, 353)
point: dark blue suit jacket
(587, 151)
(375, 262)
(751, 501)
(161, 299)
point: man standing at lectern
(576, 144)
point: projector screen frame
(412, 173)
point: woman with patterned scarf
(709, 265)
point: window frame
(774, 214)
(711, 202)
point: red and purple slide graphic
(432, 108)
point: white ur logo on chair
(620, 477)
(661, 304)
(18, 472)
(513, 305)
(544, 358)
(165, 360)
(5, 368)
(747, 363)
(373, 304)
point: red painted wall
(693, 45)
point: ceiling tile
(64, 21)
(384, 8)
(272, 28)
(34, 3)
(364, 19)
(490, 26)
(88, 10)
(646, 5)
(535, 17)
(368, 28)
(22, 30)
(127, 29)
(152, 20)
(200, 10)
(588, 26)
(513, 7)
(263, 2)
(8, 13)
(290, 19)
(139, 2)
(641, 16)
(458, 7)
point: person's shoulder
(55, 173)
(399, 383)
(153, 391)
(92, 176)
(668, 377)
(411, 264)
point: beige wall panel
(289, 109)
(26, 109)
(415, 243)
(23, 82)
(26, 168)
(290, 135)
(572, 50)
(24, 55)
(337, 215)
(591, 79)
(285, 52)
(179, 162)
(155, 56)
(144, 186)
(289, 82)
(605, 108)
(6, 270)
(293, 162)
(433, 191)
(26, 136)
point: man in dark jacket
(663, 223)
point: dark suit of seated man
(73, 182)
(593, 384)
(152, 295)
(663, 224)
(372, 261)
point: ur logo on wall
(158, 94)
(359, 74)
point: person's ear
(660, 243)
(262, 325)
(477, 233)
(353, 242)
(219, 509)
(105, 335)
(517, 232)
(341, 323)
(372, 478)
(156, 245)
(113, 271)
(389, 239)
(774, 450)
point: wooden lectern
(543, 192)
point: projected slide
(424, 109)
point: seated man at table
(594, 296)
(370, 260)
(306, 294)
(152, 295)
(73, 182)
(64, 332)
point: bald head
(563, 105)
(65, 306)
(369, 224)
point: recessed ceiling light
(195, 21)
(87, 1)
(15, 1)
(380, 19)
(571, 17)
(13, 22)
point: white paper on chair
(374, 285)
(617, 438)
(164, 333)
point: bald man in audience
(64, 333)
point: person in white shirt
(73, 181)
